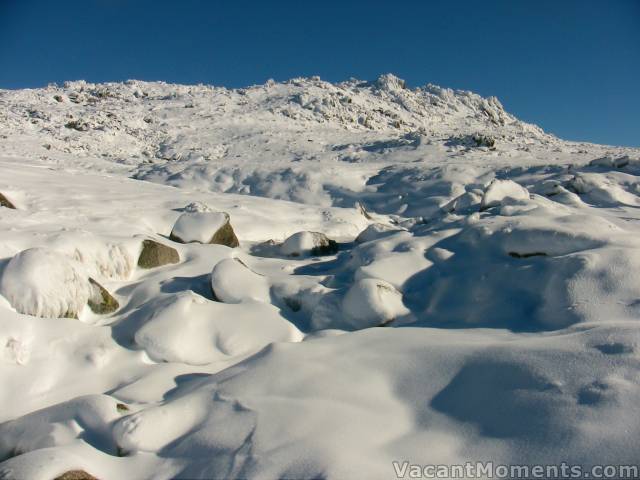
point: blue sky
(571, 66)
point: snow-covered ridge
(157, 122)
(304, 140)
(384, 104)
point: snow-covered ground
(480, 303)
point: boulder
(5, 202)
(155, 254)
(204, 227)
(308, 243)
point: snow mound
(233, 282)
(59, 425)
(499, 190)
(372, 302)
(188, 328)
(45, 283)
(101, 258)
(375, 231)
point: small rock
(76, 475)
(204, 227)
(5, 202)
(155, 254)
(78, 125)
(101, 302)
(308, 243)
(197, 207)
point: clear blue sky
(571, 66)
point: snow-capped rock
(45, 283)
(204, 227)
(308, 243)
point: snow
(374, 231)
(208, 331)
(506, 279)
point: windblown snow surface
(484, 303)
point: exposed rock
(197, 207)
(204, 227)
(76, 475)
(155, 254)
(5, 202)
(101, 301)
(527, 255)
(363, 211)
(471, 141)
(308, 243)
(484, 141)
(78, 125)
